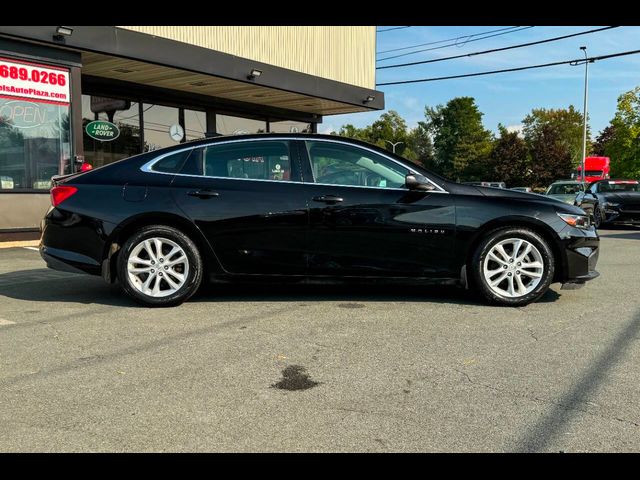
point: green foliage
(551, 156)
(453, 142)
(510, 159)
(462, 144)
(565, 122)
(622, 142)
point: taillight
(61, 193)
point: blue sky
(507, 97)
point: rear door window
(251, 160)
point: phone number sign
(33, 81)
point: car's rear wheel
(159, 266)
(513, 266)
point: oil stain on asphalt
(294, 377)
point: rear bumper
(72, 242)
(67, 261)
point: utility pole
(393, 145)
(585, 112)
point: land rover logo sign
(102, 131)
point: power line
(453, 44)
(393, 28)
(493, 50)
(446, 40)
(477, 74)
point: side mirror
(418, 182)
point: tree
(623, 146)
(551, 156)
(462, 145)
(603, 140)
(565, 122)
(420, 147)
(510, 159)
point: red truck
(596, 168)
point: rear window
(172, 163)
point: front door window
(339, 164)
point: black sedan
(307, 207)
(611, 202)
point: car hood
(622, 197)
(533, 197)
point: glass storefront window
(228, 125)
(289, 126)
(34, 143)
(195, 124)
(158, 120)
(127, 119)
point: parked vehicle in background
(487, 184)
(294, 207)
(596, 168)
(612, 201)
(521, 189)
(565, 190)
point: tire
(178, 277)
(523, 281)
(597, 217)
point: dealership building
(74, 94)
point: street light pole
(393, 145)
(584, 131)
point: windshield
(564, 189)
(619, 187)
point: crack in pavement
(135, 349)
(544, 401)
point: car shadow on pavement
(45, 285)
(542, 434)
(627, 232)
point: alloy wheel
(513, 268)
(157, 267)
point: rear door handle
(328, 199)
(203, 193)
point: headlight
(610, 205)
(578, 221)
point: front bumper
(581, 257)
(621, 215)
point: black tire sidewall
(597, 217)
(485, 246)
(194, 277)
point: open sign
(22, 114)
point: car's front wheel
(597, 217)
(513, 266)
(159, 266)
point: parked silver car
(565, 190)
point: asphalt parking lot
(315, 368)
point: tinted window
(618, 187)
(340, 164)
(171, 163)
(564, 189)
(260, 160)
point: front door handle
(203, 193)
(328, 199)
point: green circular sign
(102, 131)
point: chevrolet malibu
(307, 207)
